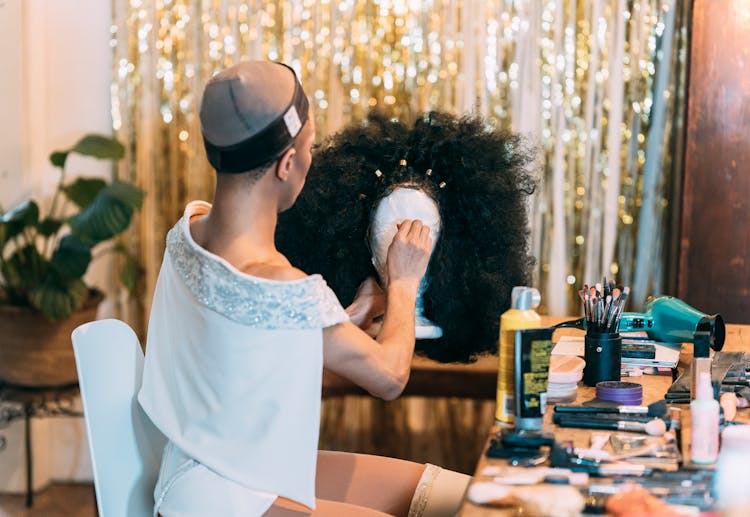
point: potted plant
(42, 263)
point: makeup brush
(613, 308)
(564, 457)
(602, 417)
(656, 409)
(655, 427)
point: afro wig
(480, 180)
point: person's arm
(368, 307)
(382, 366)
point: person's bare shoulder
(276, 272)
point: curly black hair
(480, 178)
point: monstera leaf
(98, 146)
(71, 258)
(49, 226)
(108, 214)
(14, 221)
(22, 271)
(56, 298)
(129, 274)
(84, 190)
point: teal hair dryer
(668, 319)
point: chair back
(125, 446)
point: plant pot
(36, 352)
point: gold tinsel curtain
(598, 84)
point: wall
(714, 269)
(11, 132)
(55, 69)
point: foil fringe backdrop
(598, 84)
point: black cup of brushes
(603, 354)
(602, 308)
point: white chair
(125, 446)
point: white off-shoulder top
(234, 365)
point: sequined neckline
(258, 302)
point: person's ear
(284, 165)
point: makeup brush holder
(603, 354)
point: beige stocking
(439, 493)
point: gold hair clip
(402, 163)
(362, 196)
(428, 172)
(441, 184)
(378, 173)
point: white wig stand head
(405, 202)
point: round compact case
(565, 371)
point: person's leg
(393, 486)
(439, 493)
(384, 484)
(285, 508)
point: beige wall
(55, 65)
(11, 148)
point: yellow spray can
(521, 315)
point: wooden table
(654, 388)
(429, 378)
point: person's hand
(409, 253)
(368, 306)
(635, 501)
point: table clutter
(617, 447)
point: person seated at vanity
(238, 337)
